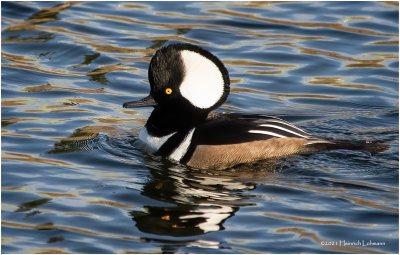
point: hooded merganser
(187, 84)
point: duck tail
(371, 147)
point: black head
(187, 75)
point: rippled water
(73, 180)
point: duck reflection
(197, 201)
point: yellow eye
(168, 91)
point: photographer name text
(363, 243)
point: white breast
(153, 143)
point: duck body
(225, 140)
(187, 84)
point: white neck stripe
(183, 147)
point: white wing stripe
(281, 128)
(266, 133)
(286, 123)
(318, 141)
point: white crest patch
(153, 143)
(203, 84)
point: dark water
(73, 180)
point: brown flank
(227, 155)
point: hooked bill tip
(147, 101)
(126, 105)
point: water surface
(73, 180)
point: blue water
(73, 180)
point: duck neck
(167, 120)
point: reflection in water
(41, 37)
(66, 145)
(340, 82)
(32, 159)
(200, 202)
(357, 62)
(49, 14)
(49, 87)
(336, 26)
(82, 139)
(43, 16)
(23, 207)
(88, 59)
